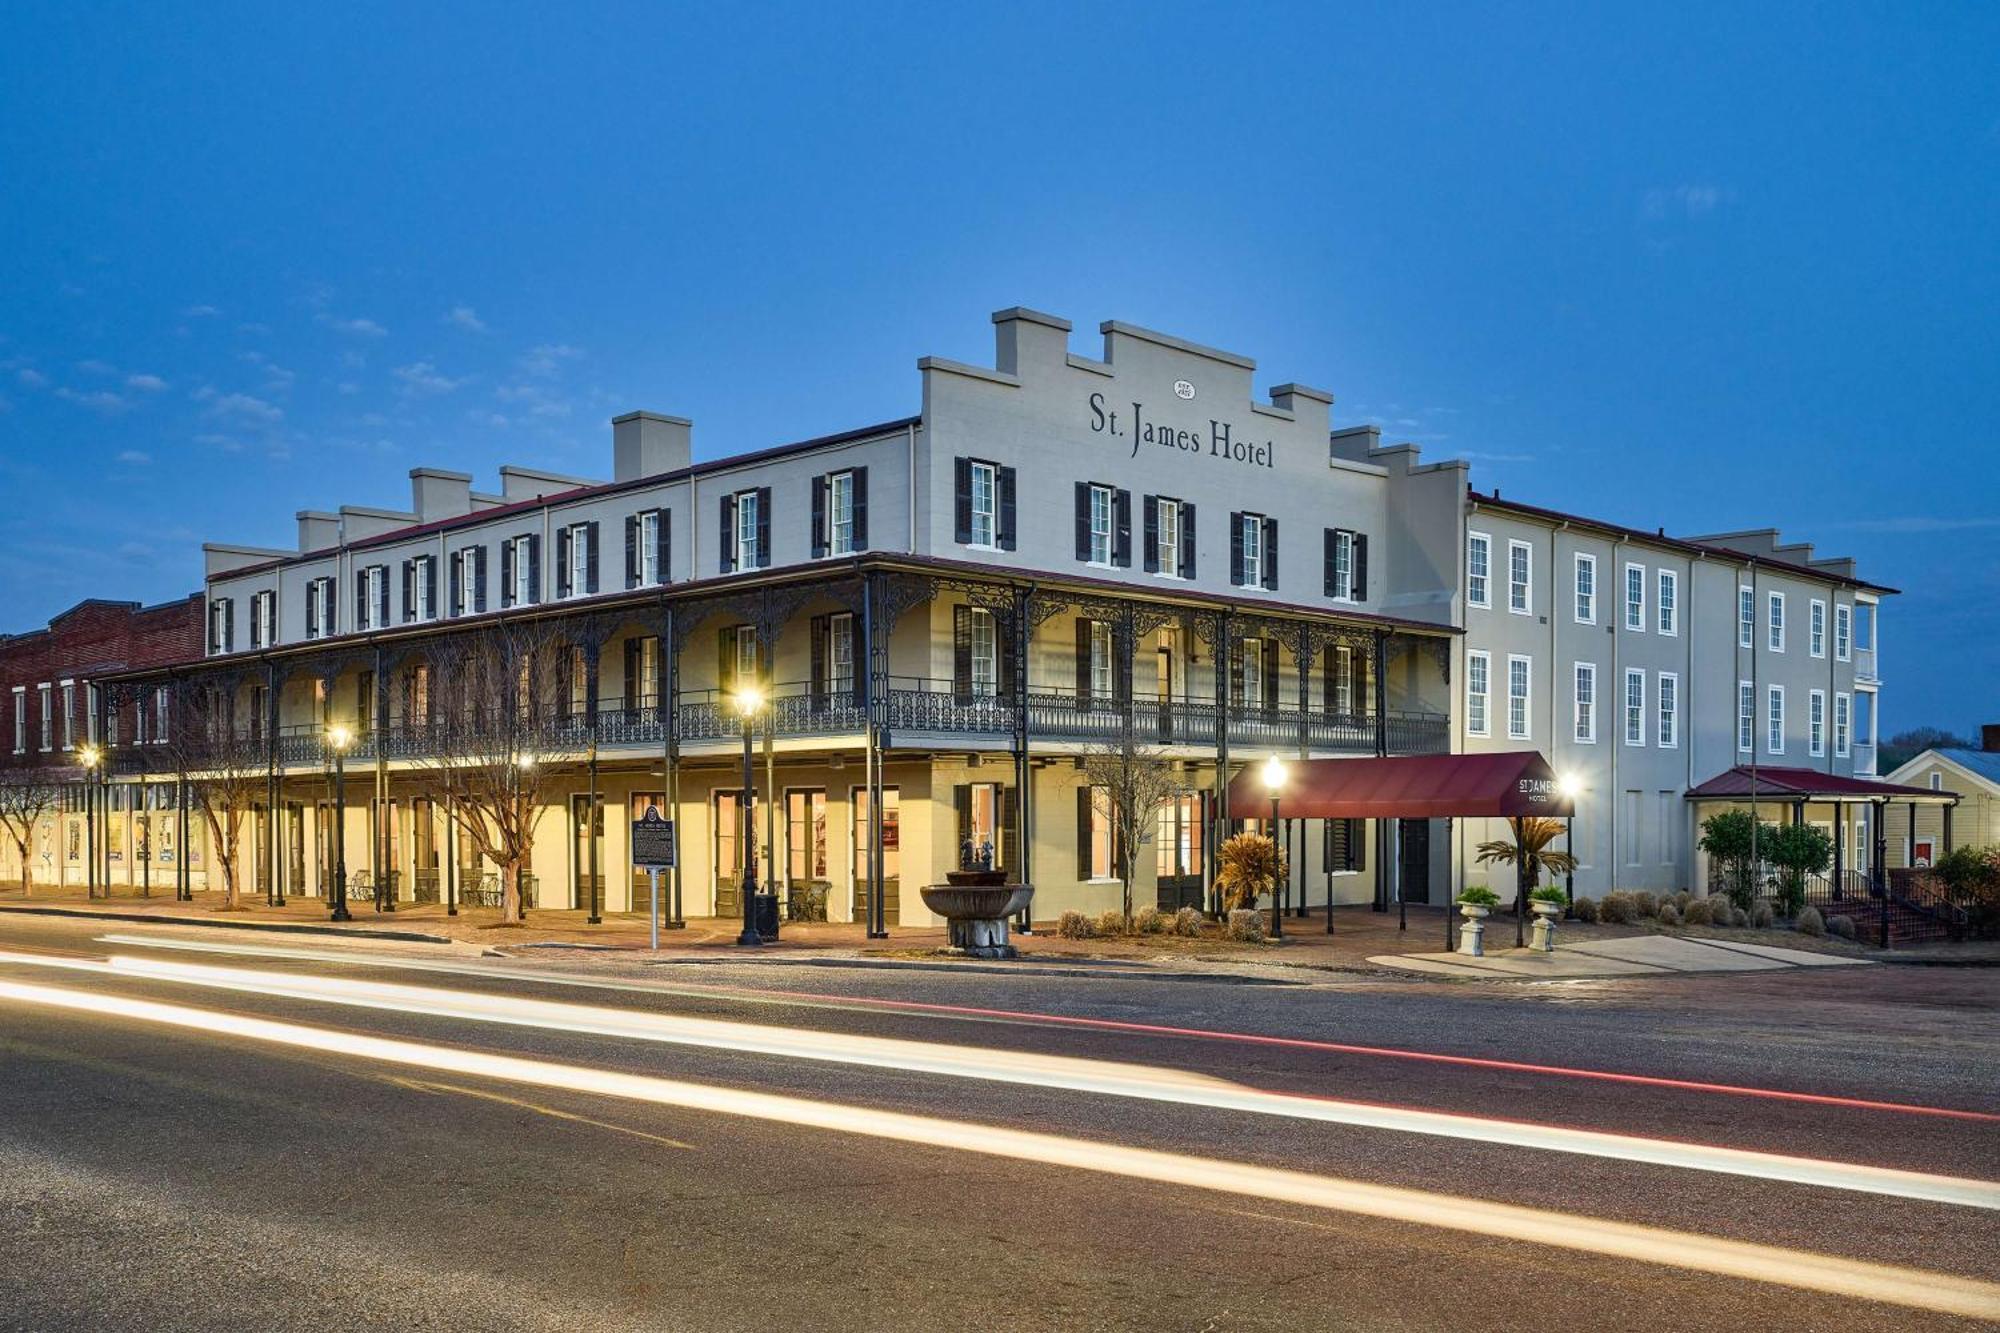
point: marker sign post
(652, 852)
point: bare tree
(1133, 781)
(26, 799)
(223, 751)
(494, 736)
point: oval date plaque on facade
(1183, 389)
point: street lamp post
(338, 739)
(1274, 783)
(92, 758)
(747, 700)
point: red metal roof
(1807, 784)
(1435, 786)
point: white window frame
(1667, 603)
(579, 558)
(1479, 582)
(1816, 723)
(1635, 606)
(1583, 703)
(1521, 591)
(1478, 692)
(1103, 525)
(1168, 523)
(160, 715)
(1343, 565)
(1816, 629)
(1746, 717)
(421, 609)
(1253, 673)
(1585, 609)
(1102, 682)
(45, 696)
(1252, 528)
(524, 595)
(263, 619)
(1775, 622)
(68, 714)
(840, 513)
(1843, 631)
(20, 719)
(1632, 707)
(985, 654)
(1774, 719)
(1746, 615)
(1667, 710)
(374, 582)
(1343, 680)
(649, 552)
(1522, 729)
(1843, 724)
(839, 653)
(746, 529)
(984, 484)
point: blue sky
(1711, 267)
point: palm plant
(1529, 853)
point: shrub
(1584, 909)
(1762, 916)
(1548, 893)
(1843, 926)
(1249, 864)
(1797, 850)
(1811, 923)
(1075, 926)
(1670, 915)
(1479, 896)
(1698, 912)
(1619, 909)
(1149, 921)
(1971, 875)
(1645, 904)
(1187, 921)
(1681, 900)
(1729, 914)
(1111, 923)
(1246, 926)
(1728, 838)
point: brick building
(48, 715)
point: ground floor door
(807, 881)
(1179, 851)
(729, 850)
(584, 889)
(295, 847)
(323, 838)
(1414, 860)
(426, 879)
(642, 887)
(892, 854)
(260, 828)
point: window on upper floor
(1586, 589)
(1635, 706)
(1520, 574)
(1585, 705)
(1774, 741)
(1777, 622)
(1478, 693)
(1253, 551)
(1346, 561)
(1667, 602)
(1478, 569)
(1816, 628)
(1169, 537)
(1843, 631)
(1842, 725)
(1746, 617)
(1746, 717)
(1635, 598)
(263, 619)
(1669, 710)
(576, 560)
(20, 720)
(1816, 723)
(46, 699)
(1517, 698)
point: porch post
(1881, 868)
(877, 927)
(385, 874)
(666, 708)
(1023, 773)
(1839, 848)
(1222, 672)
(1944, 844)
(272, 830)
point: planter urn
(1472, 935)
(1546, 916)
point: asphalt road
(161, 1176)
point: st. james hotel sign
(1218, 441)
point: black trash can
(764, 911)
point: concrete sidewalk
(1638, 955)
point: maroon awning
(1432, 786)
(1807, 784)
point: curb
(1091, 971)
(282, 927)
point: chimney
(318, 531)
(645, 444)
(1989, 738)
(436, 494)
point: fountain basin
(976, 915)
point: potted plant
(1474, 904)
(1547, 903)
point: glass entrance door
(892, 854)
(1179, 848)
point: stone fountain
(976, 901)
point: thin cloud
(465, 317)
(96, 367)
(100, 400)
(145, 383)
(1689, 202)
(357, 327)
(546, 358)
(135, 457)
(32, 379)
(423, 377)
(239, 407)
(533, 399)
(200, 312)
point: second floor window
(1777, 622)
(1478, 569)
(1669, 608)
(1746, 716)
(371, 598)
(1746, 617)
(1520, 572)
(521, 570)
(1517, 698)
(1816, 629)
(1843, 631)
(985, 654)
(1775, 742)
(840, 520)
(420, 589)
(1098, 542)
(1816, 723)
(1670, 705)
(68, 716)
(1635, 598)
(45, 696)
(222, 625)
(746, 530)
(264, 619)
(20, 721)
(1100, 660)
(1635, 707)
(1586, 702)
(1253, 551)
(1346, 574)
(1586, 590)
(576, 560)
(984, 517)
(1842, 725)
(1169, 537)
(320, 604)
(1478, 692)
(982, 504)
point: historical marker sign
(652, 840)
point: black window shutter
(1236, 549)
(819, 542)
(961, 800)
(590, 557)
(1360, 566)
(534, 567)
(1150, 533)
(860, 493)
(1332, 546)
(961, 652)
(1006, 488)
(431, 584)
(632, 551)
(565, 540)
(661, 528)
(1083, 661)
(820, 627)
(331, 614)
(1270, 675)
(360, 598)
(961, 505)
(382, 600)
(1187, 540)
(1009, 850)
(1271, 554)
(229, 620)
(725, 665)
(727, 529)
(763, 527)
(312, 609)
(1083, 520)
(1121, 528)
(859, 656)
(508, 553)
(1083, 866)
(479, 580)
(409, 590)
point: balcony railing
(912, 708)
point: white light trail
(1834, 1275)
(1096, 1077)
